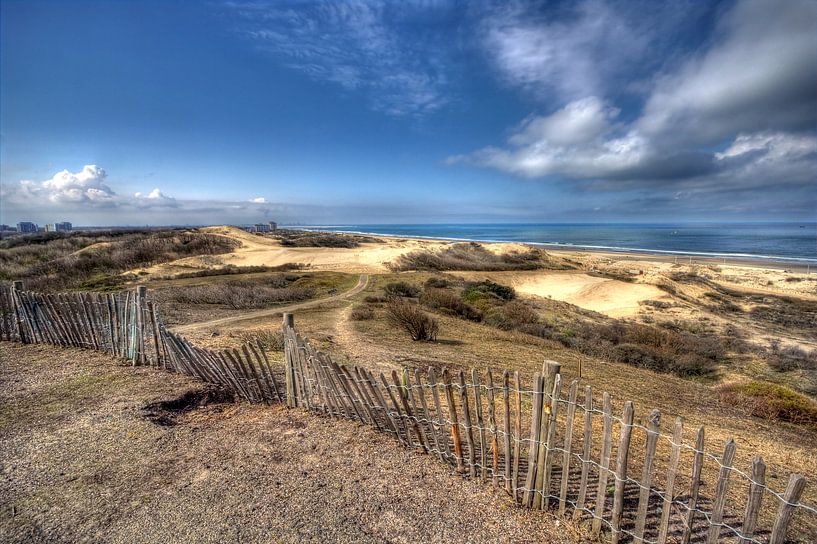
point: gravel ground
(82, 460)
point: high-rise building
(27, 227)
(7, 228)
(63, 226)
(261, 227)
(273, 226)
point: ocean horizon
(772, 241)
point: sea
(774, 242)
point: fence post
(16, 287)
(289, 351)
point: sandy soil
(258, 250)
(81, 462)
(611, 297)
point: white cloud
(759, 75)
(85, 186)
(580, 140)
(259, 200)
(753, 86)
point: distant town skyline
(159, 113)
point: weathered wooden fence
(127, 324)
(547, 449)
(561, 452)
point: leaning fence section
(128, 325)
(549, 445)
(554, 446)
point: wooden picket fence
(550, 451)
(625, 478)
(128, 325)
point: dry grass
(473, 256)
(771, 401)
(95, 261)
(95, 464)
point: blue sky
(431, 111)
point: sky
(135, 113)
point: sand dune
(607, 296)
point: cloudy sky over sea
(427, 111)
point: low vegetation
(270, 340)
(306, 238)
(412, 319)
(362, 312)
(770, 401)
(56, 261)
(473, 256)
(231, 269)
(245, 295)
(401, 289)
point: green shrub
(487, 289)
(437, 283)
(770, 401)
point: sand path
(362, 282)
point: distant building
(27, 227)
(261, 227)
(273, 226)
(49, 227)
(63, 226)
(7, 228)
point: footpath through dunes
(85, 459)
(256, 315)
(267, 251)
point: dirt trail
(362, 282)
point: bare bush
(410, 317)
(512, 316)
(448, 302)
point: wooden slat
(412, 397)
(421, 394)
(406, 438)
(550, 442)
(672, 470)
(568, 445)
(533, 451)
(621, 470)
(466, 418)
(754, 499)
(506, 419)
(692, 505)
(792, 495)
(455, 425)
(653, 428)
(518, 436)
(550, 370)
(494, 449)
(604, 462)
(721, 491)
(483, 457)
(586, 451)
(444, 451)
